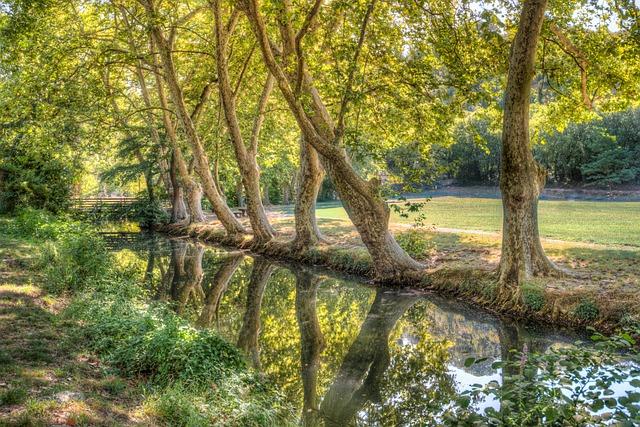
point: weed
(586, 310)
(533, 296)
(13, 396)
(416, 244)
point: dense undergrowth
(191, 376)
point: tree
(165, 48)
(362, 200)
(522, 178)
(245, 156)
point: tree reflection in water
(248, 336)
(345, 353)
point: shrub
(587, 310)
(74, 262)
(416, 244)
(532, 296)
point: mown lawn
(607, 223)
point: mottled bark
(521, 178)
(250, 331)
(245, 156)
(309, 181)
(222, 211)
(178, 207)
(359, 376)
(184, 179)
(218, 286)
(311, 344)
(363, 203)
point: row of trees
(597, 153)
(200, 98)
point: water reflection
(344, 353)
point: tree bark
(222, 211)
(522, 179)
(178, 207)
(250, 331)
(185, 180)
(245, 157)
(362, 201)
(311, 344)
(218, 286)
(309, 181)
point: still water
(337, 348)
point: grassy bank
(606, 223)
(601, 292)
(81, 345)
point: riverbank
(601, 293)
(82, 345)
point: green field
(608, 223)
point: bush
(416, 244)
(34, 178)
(586, 310)
(533, 296)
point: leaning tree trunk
(521, 179)
(363, 203)
(310, 175)
(358, 379)
(222, 211)
(245, 157)
(250, 331)
(218, 286)
(184, 179)
(311, 342)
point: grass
(81, 346)
(605, 223)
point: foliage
(586, 310)
(37, 179)
(416, 243)
(563, 386)
(182, 365)
(533, 296)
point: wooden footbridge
(107, 206)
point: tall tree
(165, 48)
(362, 200)
(522, 178)
(245, 156)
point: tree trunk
(366, 209)
(246, 158)
(309, 181)
(185, 180)
(311, 344)
(178, 207)
(222, 211)
(366, 361)
(522, 179)
(218, 286)
(250, 331)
